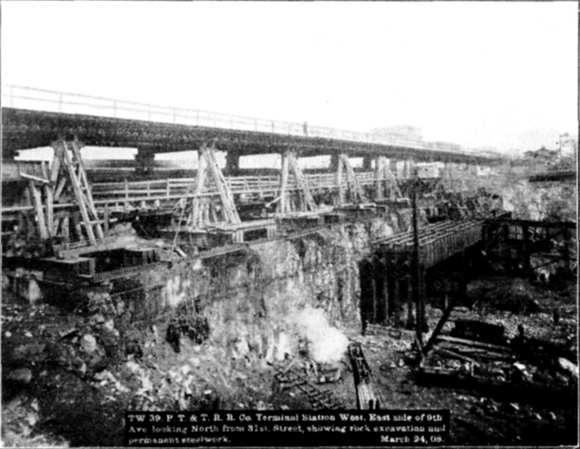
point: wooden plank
(35, 194)
(106, 220)
(77, 228)
(477, 344)
(34, 178)
(78, 193)
(225, 194)
(65, 229)
(49, 209)
(55, 166)
(339, 176)
(59, 188)
(86, 191)
(282, 204)
(196, 215)
(379, 172)
(308, 200)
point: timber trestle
(66, 181)
(390, 280)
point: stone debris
(107, 377)
(69, 333)
(568, 366)
(146, 384)
(216, 371)
(88, 343)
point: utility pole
(417, 269)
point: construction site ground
(55, 396)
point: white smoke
(326, 343)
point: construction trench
(305, 293)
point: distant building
(543, 155)
(568, 145)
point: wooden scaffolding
(65, 182)
(203, 208)
(350, 190)
(385, 181)
(302, 201)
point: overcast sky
(479, 74)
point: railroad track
(366, 398)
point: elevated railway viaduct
(25, 129)
(54, 216)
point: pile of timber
(291, 378)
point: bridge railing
(170, 191)
(170, 188)
(52, 101)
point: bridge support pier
(367, 163)
(232, 167)
(144, 162)
(334, 158)
(408, 168)
(393, 166)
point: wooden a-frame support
(68, 169)
(384, 177)
(351, 186)
(306, 201)
(67, 173)
(205, 209)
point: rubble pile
(516, 335)
(19, 418)
(268, 327)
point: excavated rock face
(250, 301)
(257, 303)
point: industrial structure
(215, 234)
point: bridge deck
(34, 118)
